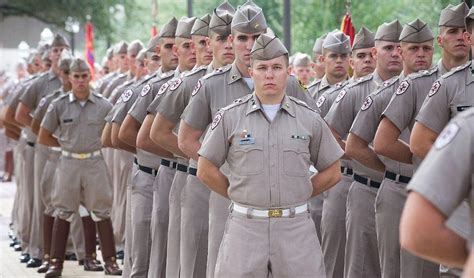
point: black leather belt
(135, 160)
(192, 171)
(397, 177)
(366, 181)
(346, 171)
(182, 168)
(168, 163)
(31, 144)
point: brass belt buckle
(82, 155)
(274, 213)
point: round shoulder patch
(174, 84)
(216, 121)
(197, 87)
(320, 101)
(145, 90)
(402, 88)
(341, 95)
(367, 103)
(434, 88)
(447, 135)
(127, 95)
(42, 102)
(163, 88)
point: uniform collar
(441, 68)
(72, 98)
(324, 83)
(255, 105)
(234, 74)
(177, 72)
(209, 68)
(470, 74)
(51, 74)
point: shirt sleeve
(216, 142)
(29, 96)
(324, 149)
(401, 108)
(434, 113)
(138, 109)
(367, 120)
(40, 111)
(198, 112)
(51, 119)
(173, 104)
(340, 114)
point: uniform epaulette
(314, 83)
(422, 73)
(194, 71)
(386, 85)
(341, 84)
(167, 74)
(238, 102)
(301, 103)
(63, 96)
(360, 80)
(121, 75)
(457, 69)
(218, 71)
(98, 95)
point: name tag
(300, 137)
(67, 121)
(247, 141)
(462, 108)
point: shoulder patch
(126, 95)
(367, 103)
(197, 87)
(434, 88)
(446, 136)
(403, 87)
(341, 95)
(42, 102)
(217, 120)
(146, 89)
(174, 83)
(163, 88)
(320, 101)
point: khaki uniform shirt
(327, 98)
(367, 121)
(116, 81)
(118, 91)
(269, 161)
(317, 88)
(14, 98)
(450, 94)
(80, 127)
(445, 176)
(44, 103)
(104, 81)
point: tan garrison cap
(469, 18)
(267, 47)
(134, 47)
(121, 48)
(141, 55)
(337, 42)
(221, 19)
(59, 41)
(78, 65)
(201, 26)
(363, 39)
(318, 44)
(389, 32)
(416, 31)
(110, 53)
(453, 16)
(169, 29)
(183, 30)
(249, 19)
(65, 60)
(301, 60)
(152, 43)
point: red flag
(154, 30)
(347, 27)
(89, 31)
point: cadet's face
(132, 59)
(222, 49)
(153, 62)
(55, 53)
(270, 77)
(387, 56)
(303, 74)
(168, 59)
(36, 66)
(122, 62)
(65, 77)
(203, 51)
(336, 64)
(140, 69)
(362, 62)
(79, 81)
(46, 65)
(452, 41)
(417, 56)
(185, 52)
(318, 66)
(243, 43)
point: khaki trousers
(127, 264)
(218, 214)
(26, 197)
(316, 207)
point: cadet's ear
(321, 58)
(158, 50)
(373, 51)
(467, 38)
(251, 71)
(439, 40)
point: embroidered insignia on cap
(163, 88)
(367, 103)
(447, 135)
(320, 101)
(174, 84)
(403, 87)
(42, 102)
(434, 88)
(216, 121)
(127, 95)
(145, 90)
(341, 95)
(196, 88)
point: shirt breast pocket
(296, 158)
(248, 159)
(68, 125)
(94, 127)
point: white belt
(56, 149)
(270, 213)
(81, 155)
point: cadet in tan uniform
(400, 115)
(416, 48)
(78, 118)
(333, 220)
(112, 62)
(147, 162)
(269, 229)
(340, 118)
(302, 67)
(166, 124)
(123, 60)
(35, 158)
(318, 66)
(423, 228)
